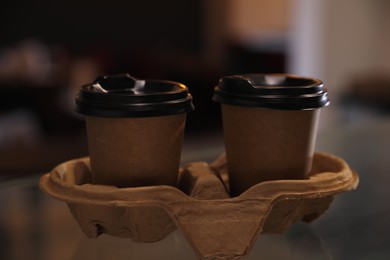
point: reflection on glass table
(33, 226)
(37, 227)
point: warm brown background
(49, 48)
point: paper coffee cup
(270, 124)
(135, 129)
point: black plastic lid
(124, 96)
(275, 91)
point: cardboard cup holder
(216, 225)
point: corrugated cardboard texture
(131, 152)
(267, 144)
(215, 225)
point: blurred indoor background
(48, 49)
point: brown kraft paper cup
(267, 139)
(277, 145)
(131, 152)
(135, 129)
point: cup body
(270, 125)
(135, 129)
(267, 144)
(132, 152)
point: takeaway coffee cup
(135, 129)
(270, 124)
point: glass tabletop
(34, 226)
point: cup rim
(275, 91)
(122, 95)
